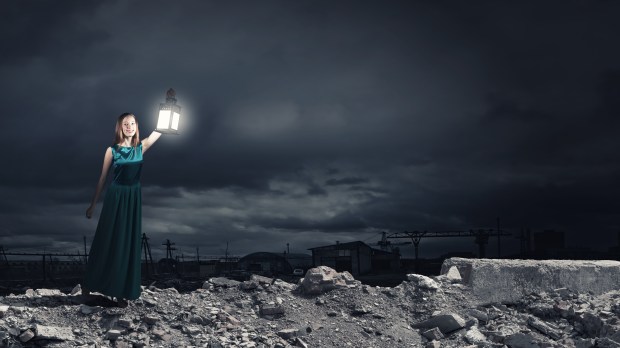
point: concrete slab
(506, 281)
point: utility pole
(499, 245)
(169, 248)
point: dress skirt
(113, 267)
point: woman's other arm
(148, 142)
(107, 161)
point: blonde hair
(135, 140)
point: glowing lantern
(169, 114)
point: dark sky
(307, 122)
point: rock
(126, 323)
(287, 333)
(261, 280)
(544, 328)
(480, 315)
(605, 342)
(433, 334)
(13, 331)
(283, 285)
(3, 310)
(322, 279)
(445, 322)
(48, 292)
(301, 343)
(248, 285)
(423, 282)
(150, 319)
(433, 344)
(269, 309)
(360, 310)
(474, 336)
(224, 282)
(113, 335)
(26, 336)
(584, 342)
(53, 332)
(76, 290)
(521, 340)
(191, 330)
(454, 275)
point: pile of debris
(325, 309)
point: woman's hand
(89, 212)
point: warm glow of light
(175, 120)
(163, 122)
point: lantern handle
(170, 96)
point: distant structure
(270, 264)
(355, 257)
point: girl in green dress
(113, 267)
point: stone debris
(322, 279)
(325, 309)
(423, 282)
(446, 323)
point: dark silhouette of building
(355, 257)
(270, 264)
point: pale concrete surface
(506, 281)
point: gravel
(264, 312)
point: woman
(113, 267)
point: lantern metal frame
(169, 115)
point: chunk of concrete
(54, 332)
(322, 279)
(446, 323)
(506, 281)
(422, 281)
(433, 334)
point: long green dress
(113, 267)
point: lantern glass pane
(175, 120)
(163, 122)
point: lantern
(169, 114)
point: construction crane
(481, 237)
(387, 245)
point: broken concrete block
(521, 340)
(54, 332)
(474, 336)
(542, 327)
(322, 279)
(113, 335)
(261, 280)
(224, 282)
(48, 292)
(507, 281)
(287, 333)
(433, 334)
(269, 309)
(3, 310)
(423, 282)
(26, 336)
(453, 275)
(445, 322)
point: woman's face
(129, 126)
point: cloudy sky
(307, 122)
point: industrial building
(355, 257)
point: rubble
(325, 309)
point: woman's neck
(126, 142)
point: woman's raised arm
(148, 142)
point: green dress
(113, 267)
